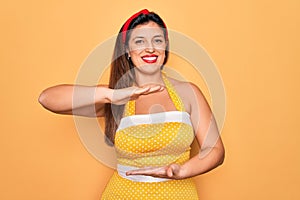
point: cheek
(134, 55)
(163, 55)
(134, 52)
(135, 58)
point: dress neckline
(175, 98)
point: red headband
(127, 23)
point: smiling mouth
(150, 58)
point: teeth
(149, 58)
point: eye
(139, 42)
(158, 41)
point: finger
(141, 171)
(153, 89)
(147, 90)
(141, 90)
(138, 172)
(144, 171)
(156, 88)
(170, 171)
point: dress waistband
(122, 169)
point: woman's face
(146, 46)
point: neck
(153, 78)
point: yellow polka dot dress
(156, 139)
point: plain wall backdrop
(255, 45)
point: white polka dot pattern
(153, 144)
(156, 144)
(123, 189)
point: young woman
(150, 118)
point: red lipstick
(150, 58)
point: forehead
(149, 29)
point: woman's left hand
(173, 171)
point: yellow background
(255, 45)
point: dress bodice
(155, 139)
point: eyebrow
(159, 35)
(138, 37)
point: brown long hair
(122, 72)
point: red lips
(150, 58)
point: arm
(76, 99)
(211, 147)
(89, 100)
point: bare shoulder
(179, 85)
(185, 87)
(188, 92)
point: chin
(149, 68)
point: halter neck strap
(130, 105)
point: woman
(151, 119)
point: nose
(150, 47)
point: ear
(127, 52)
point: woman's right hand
(121, 96)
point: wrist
(103, 94)
(183, 172)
